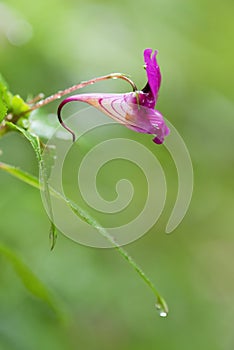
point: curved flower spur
(134, 109)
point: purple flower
(135, 109)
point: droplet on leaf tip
(162, 312)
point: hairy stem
(67, 91)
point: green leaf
(161, 304)
(3, 81)
(14, 105)
(36, 144)
(3, 108)
(18, 105)
(21, 175)
(43, 125)
(31, 281)
(33, 139)
(3, 99)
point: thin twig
(67, 91)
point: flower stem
(67, 91)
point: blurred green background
(49, 45)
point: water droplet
(9, 117)
(162, 312)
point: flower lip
(153, 75)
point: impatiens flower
(134, 109)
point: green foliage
(41, 125)
(31, 180)
(30, 280)
(38, 148)
(13, 105)
(18, 105)
(4, 98)
(33, 139)
(20, 174)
